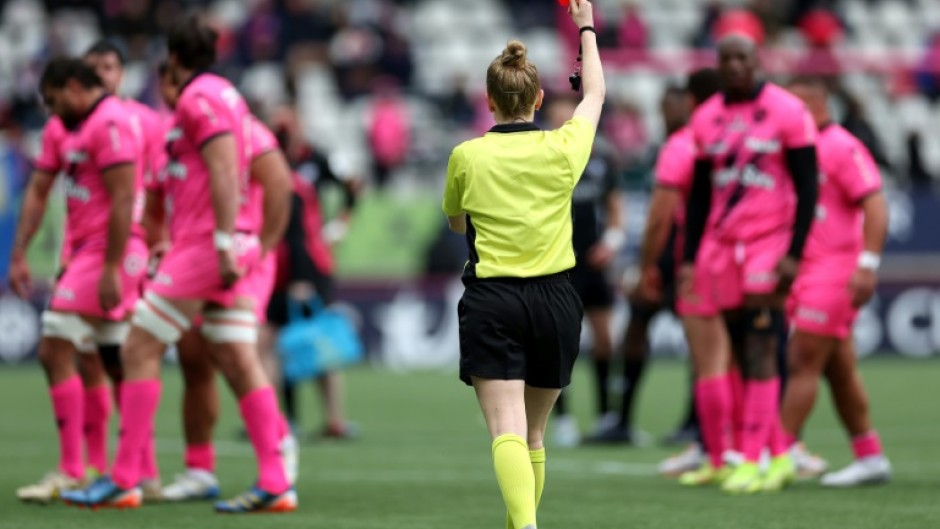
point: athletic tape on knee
(230, 326)
(763, 321)
(158, 317)
(112, 332)
(69, 327)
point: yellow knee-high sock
(538, 469)
(516, 479)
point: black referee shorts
(520, 329)
(592, 287)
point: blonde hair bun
(514, 56)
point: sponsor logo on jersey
(750, 176)
(177, 170)
(760, 145)
(811, 314)
(75, 191)
(761, 278)
(174, 134)
(162, 278)
(76, 156)
(719, 147)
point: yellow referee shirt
(515, 186)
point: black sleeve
(301, 265)
(697, 209)
(805, 172)
(327, 175)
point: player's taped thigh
(160, 318)
(112, 332)
(71, 328)
(230, 326)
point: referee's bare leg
(516, 416)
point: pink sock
(139, 401)
(200, 457)
(867, 445)
(283, 427)
(737, 407)
(761, 410)
(97, 414)
(68, 405)
(713, 402)
(148, 460)
(779, 439)
(263, 422)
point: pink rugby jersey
(848, 174)
(103, 139)
(752, 190)
(208, 107)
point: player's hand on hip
(582, 12)
(600, 256)
(21, 282)
(228, 268)
(786, 272)
(862, 286)
(109, 288)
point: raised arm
(592, 73)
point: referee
(520, 319)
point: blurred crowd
(389, 86)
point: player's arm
(272, 172)
(875, 228)
(32, 211)
(662, 208)
(119, 182)
(31, 214)
(336, 228)
(863, 183)
(220, 155)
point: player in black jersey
(597, 237)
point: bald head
(737, 63)
(815, 95)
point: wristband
(869, 261)
(587, 28)
(223, 241)
(614, 238)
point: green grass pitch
(424, 462)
